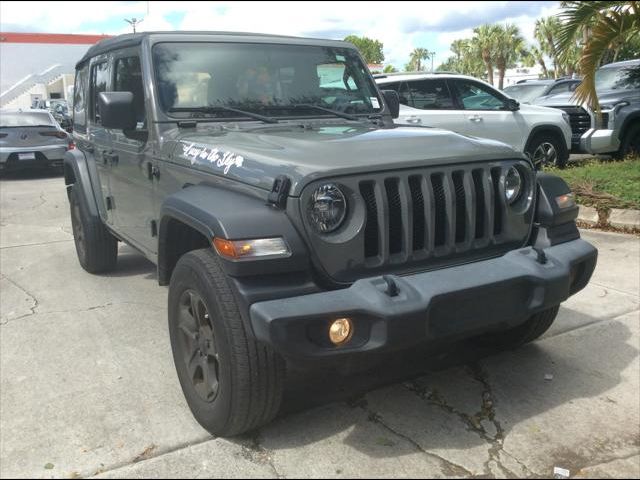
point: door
(487, 115)
(99, 137)
(430, 103)
(133, 174)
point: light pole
(133, 22)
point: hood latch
(279, 192)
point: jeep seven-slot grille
(453, 211)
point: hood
(257, 155)
(604, 97)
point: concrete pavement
(88, 387)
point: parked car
(469, 106)
(532, 91)
(616, 130)
(293, 220)
(59, 108)
(31, 138)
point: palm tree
(510, 47)
(484, 43)
(419, 54)
(546, 32)
(607, 24)
(535, 55)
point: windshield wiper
(337, 113)
(220, 108)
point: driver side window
(475, 96)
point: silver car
(31, 138)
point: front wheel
(630, 144)
(231, 382)
(546, 150)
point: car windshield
(272, 79)
(25, 119)
(525, 93)
(618, 78)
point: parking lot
(89, 388)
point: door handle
(414, 120)
(476, 118)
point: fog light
(565, 201)
(340, 331)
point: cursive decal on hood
(198, 153)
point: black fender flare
(218, 212)
(541, 128)
(628, 120)
(76, 161)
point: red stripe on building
(59, 38)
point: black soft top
(133, 39)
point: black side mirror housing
(117, 110)
(512, 105)
(392, 100)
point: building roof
(132, 39)
(56, 38)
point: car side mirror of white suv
(512, 105)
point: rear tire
(231, 382)
(533, 328)
(96, 247)
(547, 149)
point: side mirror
(512, 105)
(117, 110)
(393, 102)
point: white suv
(469, 106)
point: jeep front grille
(462, 211)
(420, 218)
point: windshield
(264, 78)
(618, 78)
(525, 93)
(25, 119)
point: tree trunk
(501, 72)
(543, 65)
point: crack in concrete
(474, 421)
(253, 451)
(78, 310)
(447, 467)
(33, 297)
(36, 244)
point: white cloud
(401, 26)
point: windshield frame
(165, 116)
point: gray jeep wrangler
(294, 222)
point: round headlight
(327, 208)
(512, 185)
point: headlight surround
(513, 185)
(327, 208)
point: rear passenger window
(430, 95)
(99, 79)
(129, 79)
(79, 100)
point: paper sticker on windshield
(197, 153)
(374, 102)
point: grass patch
(604, 184)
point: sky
(401, 26)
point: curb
(616, 217)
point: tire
(630, 143)
(96, 247)
(232, 383)
(533, 328)
(547, 149)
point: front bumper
(45, 155)
(446, 304)
(599, 141)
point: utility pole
(133, 22)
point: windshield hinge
(279, 192)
